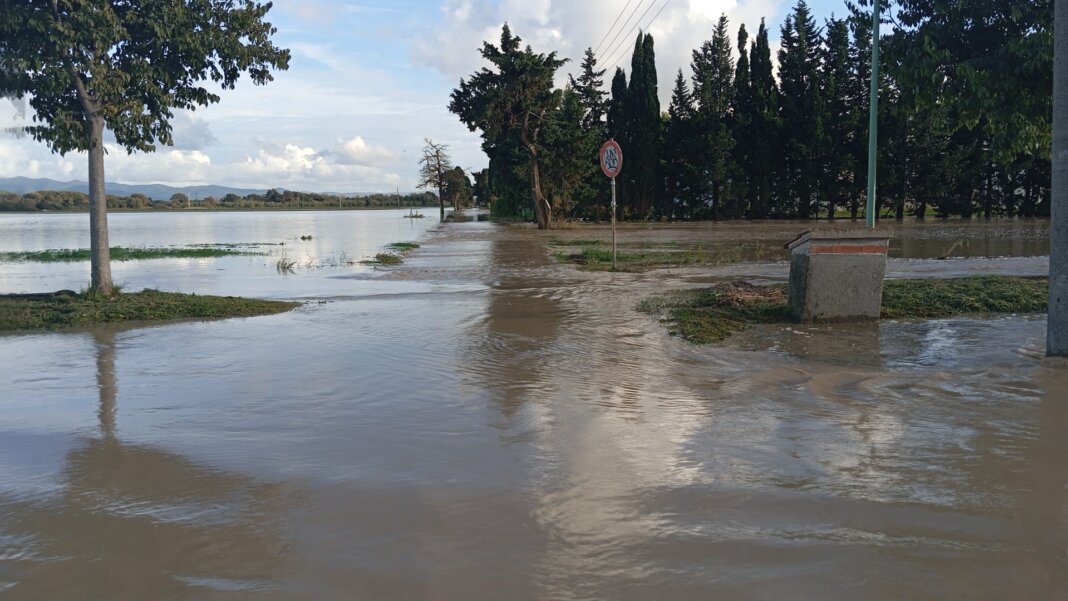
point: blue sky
(369, 80)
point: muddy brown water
(486, 424)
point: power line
(612, 44)
(620, 57)
(598, 48)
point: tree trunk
(99, 251)
(542, 209)
(1057, 322)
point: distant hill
(22, 185)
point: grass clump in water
(122, 253)
(68, 309)
(384, 259)
(714, 314)
(403, 246)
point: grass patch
(68, 309)
(403, 246)
(944, 298)
(636, 257)
(122, 253)
(714, 314)
(384, 259)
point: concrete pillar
(1057, 337)
(837, 274)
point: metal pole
(1057, 318)
(613, 224)
(873, 119)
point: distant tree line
(964, 123)
(272, 199)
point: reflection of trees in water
(1049, 513)
(137, 522)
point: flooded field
(484, 423)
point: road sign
(611, 158)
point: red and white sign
(611, 158)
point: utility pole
(873, 117)
(1057, 319)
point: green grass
(637, 257)
(714, 314)
(71, 310)
(403, 246)
(122, 253)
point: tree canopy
(89, 65)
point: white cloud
(570, 27)
(358, 152)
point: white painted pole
(613, 224)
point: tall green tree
(763, 127)
(89, 66)
(713, 90)
(841, 125)
(684, 185)
(569, 165)
(741, 124)
(643, 131)
(595, 193)
(514, 96)
(802, 109)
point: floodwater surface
(482, 423)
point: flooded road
(485, 424)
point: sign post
(611, 164)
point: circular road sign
(611, 158)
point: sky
(369, 80)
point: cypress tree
(681, 161)
(742, 105)
(713, 75)
(837, 160)
(643, 131)
(802, 111)
(588, 87)
(763, 127)
(595, 192)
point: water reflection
(137, 522)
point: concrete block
(837, 274)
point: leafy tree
(87, 66)
(515, 96)
(434, 167)
(990, 63)
(458, 188)
(180, 200)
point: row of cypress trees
(742, 140)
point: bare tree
(433, 169)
